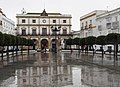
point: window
(34, 80)
(0, 22)
(34, 70)
(90, 21)
(86, 25)
(82, 26)
(116, 18)
(24, 72)
(108, 19)
(44, 31)
(23, 32)
(108, 25)
(100, 27)
(64, 21)
(24, 80)
(115, 25)
(54, 21)
(64, 31)
(33, 31)
(45, 70)
(33, 21)
(23, 20)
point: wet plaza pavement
(53, 70)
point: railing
(44, 34)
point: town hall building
(45, 28)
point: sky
(76, 8)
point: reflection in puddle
(51, 70)
(47, 72)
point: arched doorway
(44, 44)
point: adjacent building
(76, 34)
(45, 28)
(88, 24)
(109, 22)
(6, 25)
(100, 22)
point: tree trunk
(13, 53)
(2, 52)
(93, 49)
(16, 50)
(102, 51)
(7, 53)
(115, 51)
(22, 49)
(28, 50)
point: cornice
(87, 16)
(42, 16)
(44, 25)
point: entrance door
(44, 44)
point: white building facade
(6, 25)
(103, 23)
(88, 24)
(39, 26)
(109, 22)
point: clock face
(44, 21)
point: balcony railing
(44, 34)
(90, 25)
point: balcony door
(44, 31)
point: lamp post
(55, 30)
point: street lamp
(55, 30)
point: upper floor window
(108, 19)
(64, 31)
(116, 18)
(86, 23)
(33, 21)
(108, 25)
(24, 80)
(44, 31)
(23, 32)
(82, 24)
(64, 21)
(33, 31)
(90, 21)
(0, 22)
(54, 21)
(23, 20)
(34, 70)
